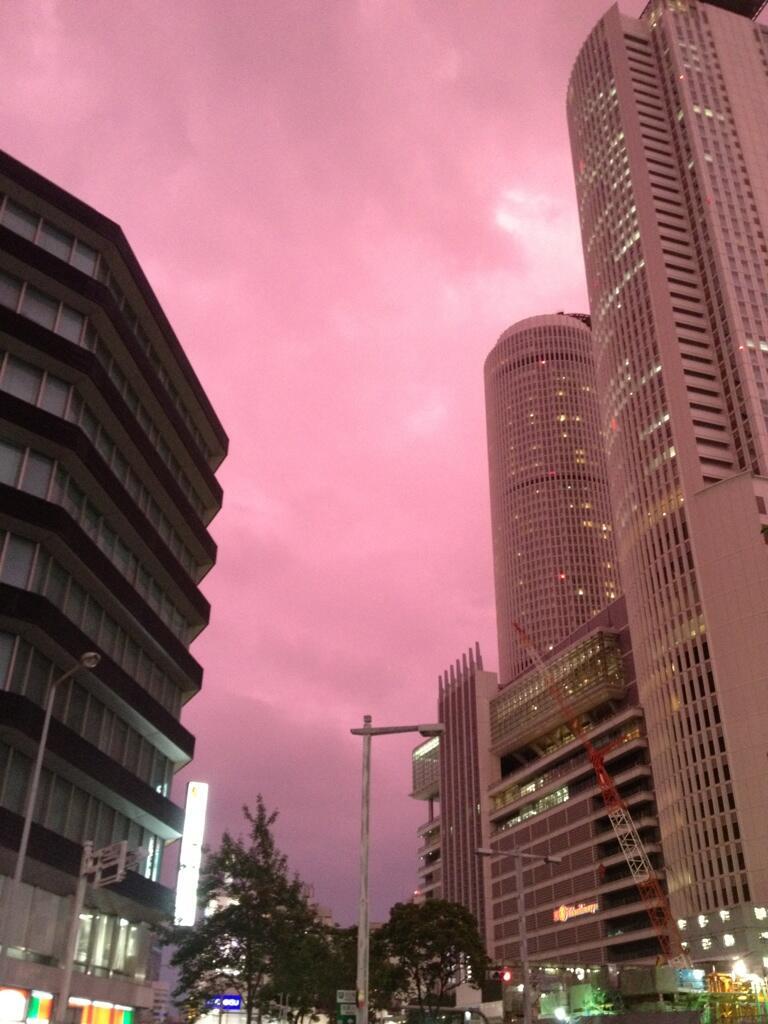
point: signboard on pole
(107, 866)
(346, 1006)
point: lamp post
(90, 659)
(363, 923)
(103, 867)
(519, 856)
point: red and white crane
(651, 892)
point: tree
(299, 976)
(341, 971)
(259, 931)
(432, 948)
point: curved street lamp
(519, 856)
(363, 924)
(90, 659)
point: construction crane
(641, 869)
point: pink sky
(340, 205)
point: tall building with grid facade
(465, 690)
(545, 799)
(667, 116)
(108, 450)
(453, 773)
(553, 547)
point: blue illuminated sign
(226, 1003)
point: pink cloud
(340, 206)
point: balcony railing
(433, 825)
(430, 843)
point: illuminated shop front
(25, 1006)
(98, 1011)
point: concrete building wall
(465, 690)
(452, 775)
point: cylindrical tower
(553, 547)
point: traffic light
(503, 974)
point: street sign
(346, 1006)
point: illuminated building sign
(13, 1005)
(568, 910)
(191, 854)
(99, 1011)
(224, 1003)
(40, 1007)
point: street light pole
(100, 868)
(519, 856)
(90, 659)
(363, 922)
(65, 986)
(522, 931)
(363, 918)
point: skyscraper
(667, 116)
(553, 548)
(108, 449)
(556, 574)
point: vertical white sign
(191, 853)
